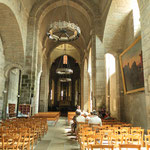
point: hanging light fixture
(65, 79)
(64, 31)
(64, 66)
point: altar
(64, 103)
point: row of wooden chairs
(107, 134)
(21, 133)
(121, 146)
(89, 137)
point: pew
(50, 116)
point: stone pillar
(93, 69)
(31, 57)
(98, 71)
(86, 86)
(35, 102)
(118, 86)
(2, 78)
(82, 85)
(25, 97)
(145, 23)
(5, 99)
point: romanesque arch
(11, 36)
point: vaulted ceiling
(80, 12)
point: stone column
(118, 85)
(145, 24)
(98, 71)
(31, 57)
(25, 96)
(86, 86)
(82, 85)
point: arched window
(136, 16)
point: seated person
(102, 112)
(74, 124)
(95, 119)
(80, 118)
(87, 118)
(78, 108)
(107, 116)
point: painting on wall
(132, 67)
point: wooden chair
(90, 140)
(117, 125)
(106, 134)
(102, 147)
(10, 142)
(147, 141)
(126, 125)
(115, 140)
(148, 132)
(129, 146)
(138, 131)
(98, 138)
(106, 126)
(133, 139)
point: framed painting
(132, 67)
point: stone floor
(58, 138)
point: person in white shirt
(80, 118)
(95, 119)
(78, 108)
(87, 118)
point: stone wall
(145, 31)
(17, 7)
(133, 106)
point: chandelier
(64, 67)
(64, 31)
(64, 70)
(65, 79)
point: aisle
(57, 138)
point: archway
(66, 94)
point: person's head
(94, 112)
(78, 113)
(78, 107)
(85, 114)
(91, 113)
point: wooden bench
(137, 146)
(50, 116)
(70, 116)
